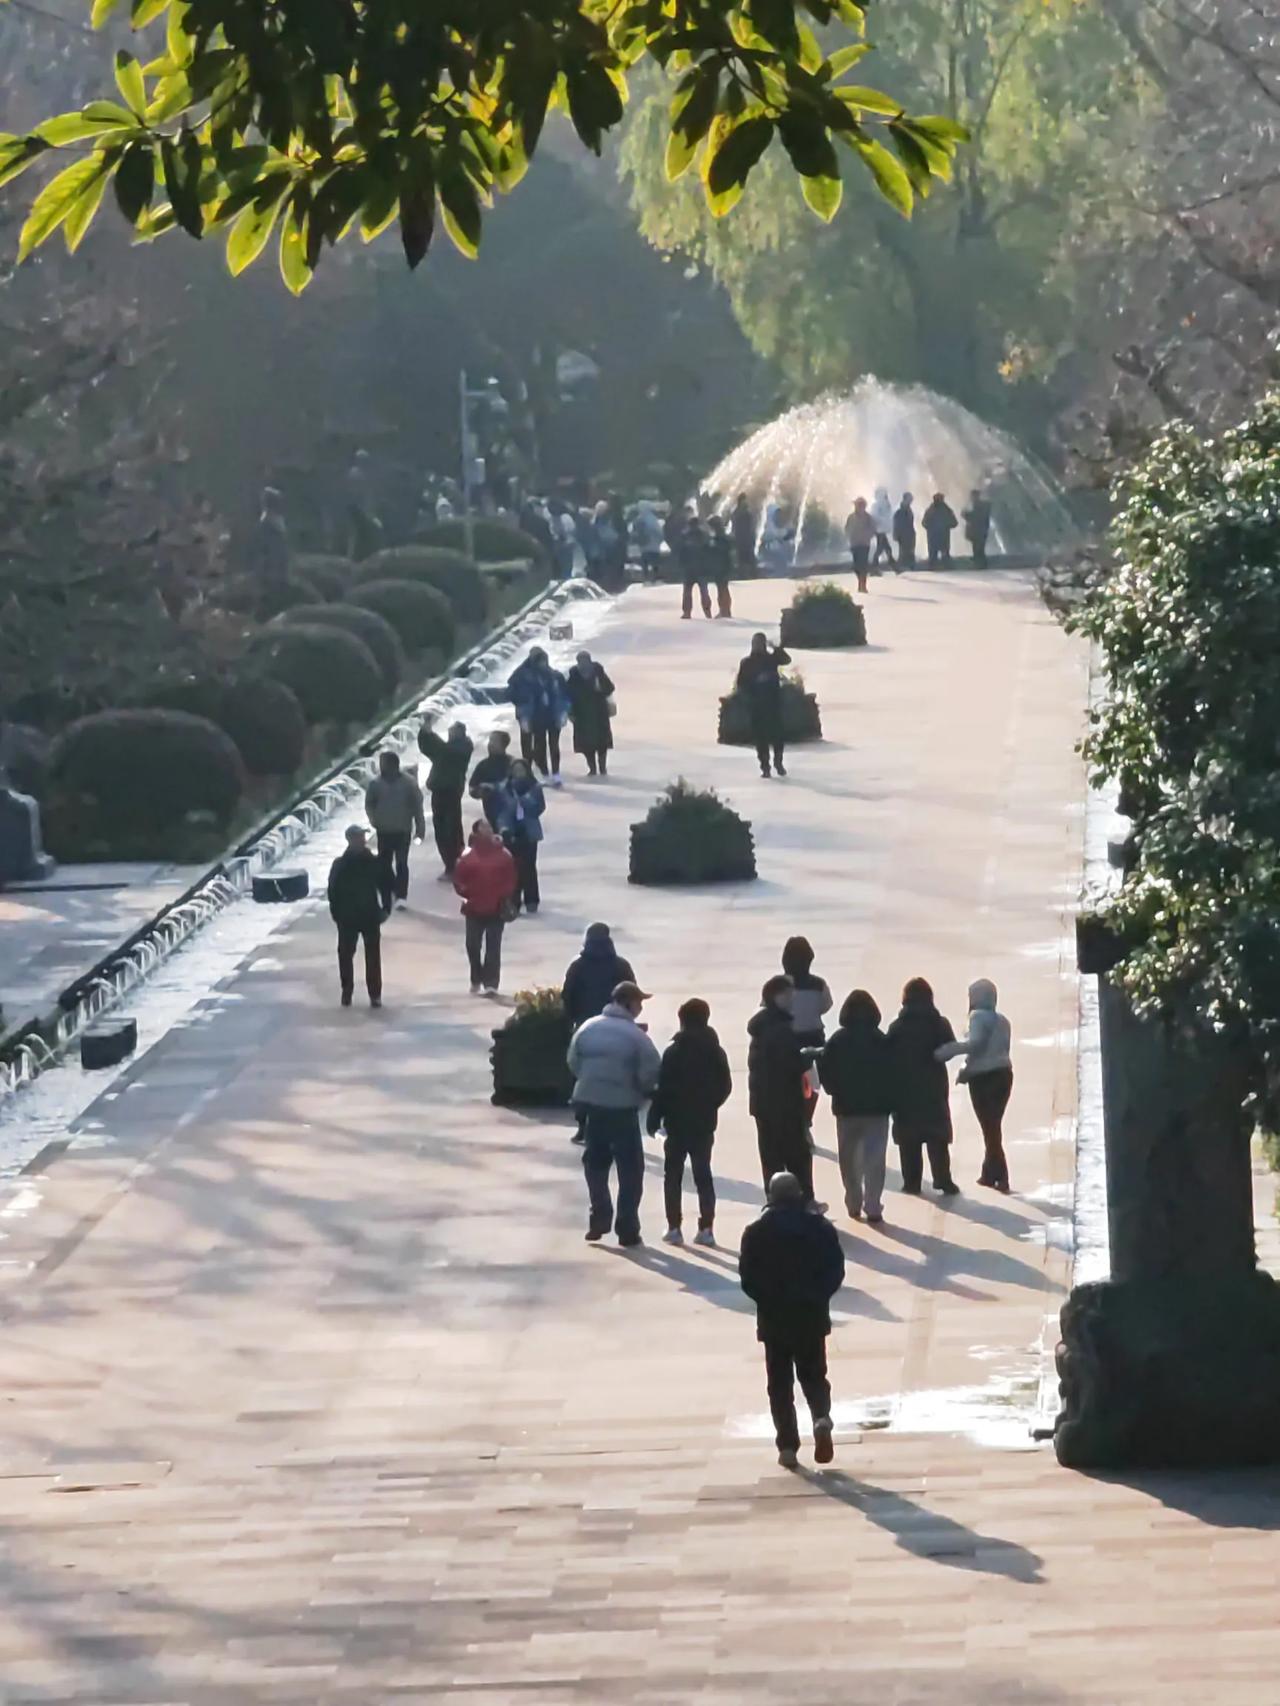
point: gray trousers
(862, 1140)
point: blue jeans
(613, 1140)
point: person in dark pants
(775, 1082)
(742, 524)
(810, 1003)
(394, 804)
(591, 712)
(693, 1086)
(760, 683)
(921, 1093)
(856, 1070)
(939, 522)
(904, 533)
(541, 702)
(720, 566)
(589, 980)
(694, 567)
(860, 531)
(491, 772)
(446, 783)
(518, 807)
(355, 905)
(791, 1265)
(615, 1069)
(988, 1071)
(977, 525)
(485, 877)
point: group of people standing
(868, 528)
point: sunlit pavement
(313, 1392)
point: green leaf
(914, 158)
(80, 215)
(823, 195)
(251, 232)
(461, 211)
(811, 150)
(845, 58)
(181, 163)
(940, 128)
(144, 11)
(738, 153)
(177, 40)
(110, 114)
(129, 81)
(17, 153)
(101, 11)
(869, 100)
(154, 223)
(417, 221)
(693, 110)
(55, 202)
(172, 96)
(380, 206)
(594, 102)
(293, 251)
(679, 157)
(135, 181)
(75, 127)
(890, 177)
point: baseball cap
(628, 992)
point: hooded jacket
(921, 1090)
(990, 1034)
(882, 511)
(450, 760)
(939, 519)
(775, 1069)
(693, 1085)
(516, 812)
(860, 529)
(856, 1067)
(790, 1265)
(539, 694)
(592, 978)
(613, 1062)
(485, 877)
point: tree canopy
(261, 118)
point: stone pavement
(313, 1393)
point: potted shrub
(823, 614)
(529, 1053)
(801, 719)
(691, 836)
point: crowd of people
(881, 528)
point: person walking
(693, 1085)
(615, 1070)
(518, 805)
(393, 802)
(921, 1092)
(355, 905)
(775, 1084)
(591, 712)
(720, 562)
(860, 530)
(939, 522)
(742, 525)
(977, 525)
(882, 521)
(446, 782)
(646, 534)
(811, 1001)
(485, 877)
(988, 1071)
(791, 1265)
(588, 982)
(694, 565)
(491, 772)
(760, 683)
(856, 1070)
(541, 701)
(904, 533)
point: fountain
(815, 459)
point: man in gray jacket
(393, 802)
(615, 1069)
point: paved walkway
(313, 1393)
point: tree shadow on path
(1220, 1498)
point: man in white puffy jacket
(615, 1069)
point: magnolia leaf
(823, 195)
(869, 100)
(738, 153)
(75, 127)
(80, 216)
(890, 176)
(129, 81)
(251, 232)
(294, 269)
(845, 58)
(55, 202)
(144, 11)
(136, 180)
(461, 213)
(101, 11)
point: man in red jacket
(485, 877)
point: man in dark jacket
(921, 1090)
(355, 905)
(446, 781)
(977, 525)
(856, 1071)
(791, 1266)
(588, 983)
(939, 522)
(775, 1082)
(760, 683)
(491, 772)
(693, 1086)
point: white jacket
(613, 1062)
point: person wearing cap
(615, 1070)
(393, 802)
(790, 1265)
(355, 905)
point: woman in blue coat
(518, 805)
(541, 699)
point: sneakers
(476, 989)
(853, 1213)
(819, 1207)
(531, 908)
(401, 905)
(673, 1235)
(445, 877)
(705, 1237)
(875, 1220)
(555, 780)
(823, 1446)
(788, 1459)
(491, 991)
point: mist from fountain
(816, 458)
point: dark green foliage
(821, 615)
(449, 572)
(262, 716)
(691, 836)
(330, 575)
(335, 676)
(252, 597)
(528, 1053)
(145, 771)
(376, 632)
(801, 719)
(421, 616)
(494, 541)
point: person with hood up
(591, 710)
(693, 1086)
(588, 982)
(446, 782)
(393, 802)
(939, 522)
(882, 519)
(541, 701)
(860, 530)
(776, 1088)
(977, 525)
(921, 1092)
(791, 1265)
(355, 905)
(760, 683)
(988, 1071)
(485, 878)
(518, 805)
(615, 1070)
(856, 1070)
(491, 772)
(904, 533)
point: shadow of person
(995, 1266)
(927, 1533)
(701, 1280)
(1219, 1498)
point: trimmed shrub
(495, 541)
(822, 615)
(691, 836)
(801, 719)
(250, 597)
(449, 572)
(376, 632)
(329, 574)
(335, 676)
(262, 716)
(145, 771)
(528, 1053)
(421, 616)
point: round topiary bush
(146, 771)
(801, 719)
(251, 597)
(448, 572)
(691, 836)
(330, 575)
(262, 716)
(493, 541)
(421, 616)
(822, 615)
(528, 1053)
(376, 632)
(335, 676)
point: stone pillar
(22, 858)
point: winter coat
(775, 1069)
(921, 1106)
(810, 1000)
(856, 1070)
(450, 761)
(938, 520)
(743, 526)
(592, 978)
(354, 896)
(589, 692)
(487, 777)
(860, 529)
(977, 521)
(904, 525)
(790, 1265)
(693, 1086)
(613, 1062)
(517, 812)
(393, 805)
(987, 1044)
(539, 695)
(882, 512)
(485, 877)
(760, 684)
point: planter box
(801, 719)
(719, 853)
(816, 624)
(528, 1057)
